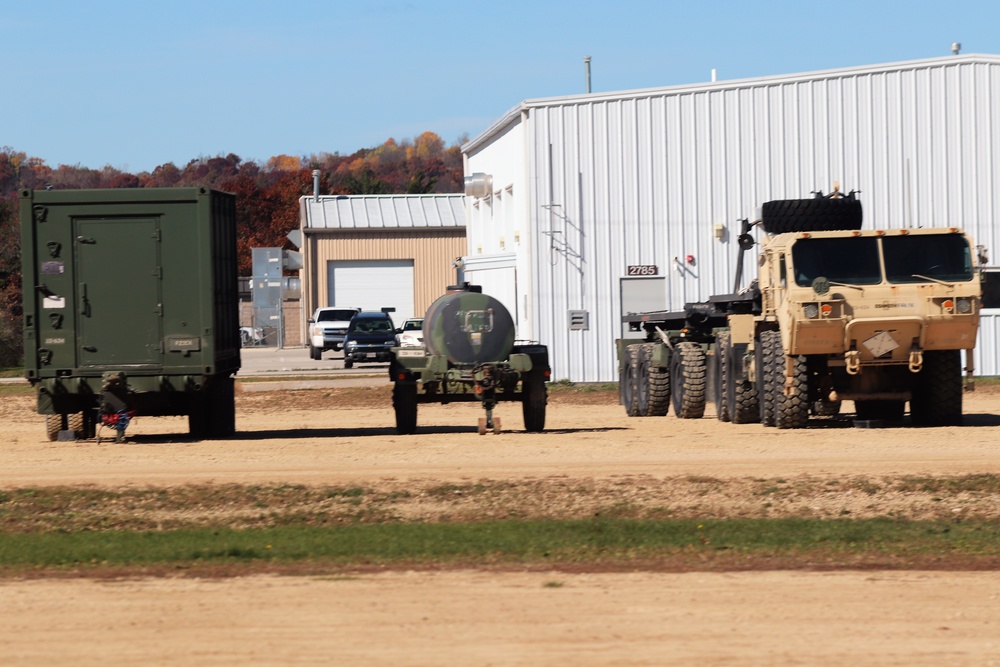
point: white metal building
(581, 208)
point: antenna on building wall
(586, 67)
(956, 47)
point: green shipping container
(130, 306)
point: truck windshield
(852, 260)
(914, 259)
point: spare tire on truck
(819, 214)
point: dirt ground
(513, 618)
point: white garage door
(372, 285)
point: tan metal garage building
(380, 251)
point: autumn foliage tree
(267, 196)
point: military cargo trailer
(130, 307)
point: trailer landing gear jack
(489, 422)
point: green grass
(531, 542)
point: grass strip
(577, 541)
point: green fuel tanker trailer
(470, 354)
(130, 307)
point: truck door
(118, 292)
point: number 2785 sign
(642, 270)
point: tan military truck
(878, 317)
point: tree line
(267, 196)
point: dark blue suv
(369, 338)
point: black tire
(811, 215)
(348, 363)
(222, 408)
(659, 384)
(75, 423)
(315, 353)
(769, 340)
(642, 379)
(53, 424)
(199, 420)
(722, 381)
(404, 403)
(630, 372)
(826, 408)
(744, 406)
(534, 397)
(792, 410)
(880, 409)
(687, 385)
(937, 390)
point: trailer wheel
(222, 408)
(404, 402)
(687, 387)
(630, 378)
(53, 424)
(791, 410)
(721, 361)
(769, 340)
(811, 215)
(744, 403)
(937, 390)
(534, 396)
(658, 379)
(198, 419)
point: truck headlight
(963, 306)
(350, 344)
(811, 310)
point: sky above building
(134, 85)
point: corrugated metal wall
(644, 178)
(432, 253)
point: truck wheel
(404, 402)
(53, 424)
(687, 386)
(658, 379)
(642, 380)
(744, 404)
(630, 377)
(811, 215)
(769, 340)
(534, 396)
(721, 361)
(348, 363)
(315, 353)
(791, 411)
(937, 390)
(826, 408)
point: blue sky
(140, 83)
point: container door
(118, 292)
